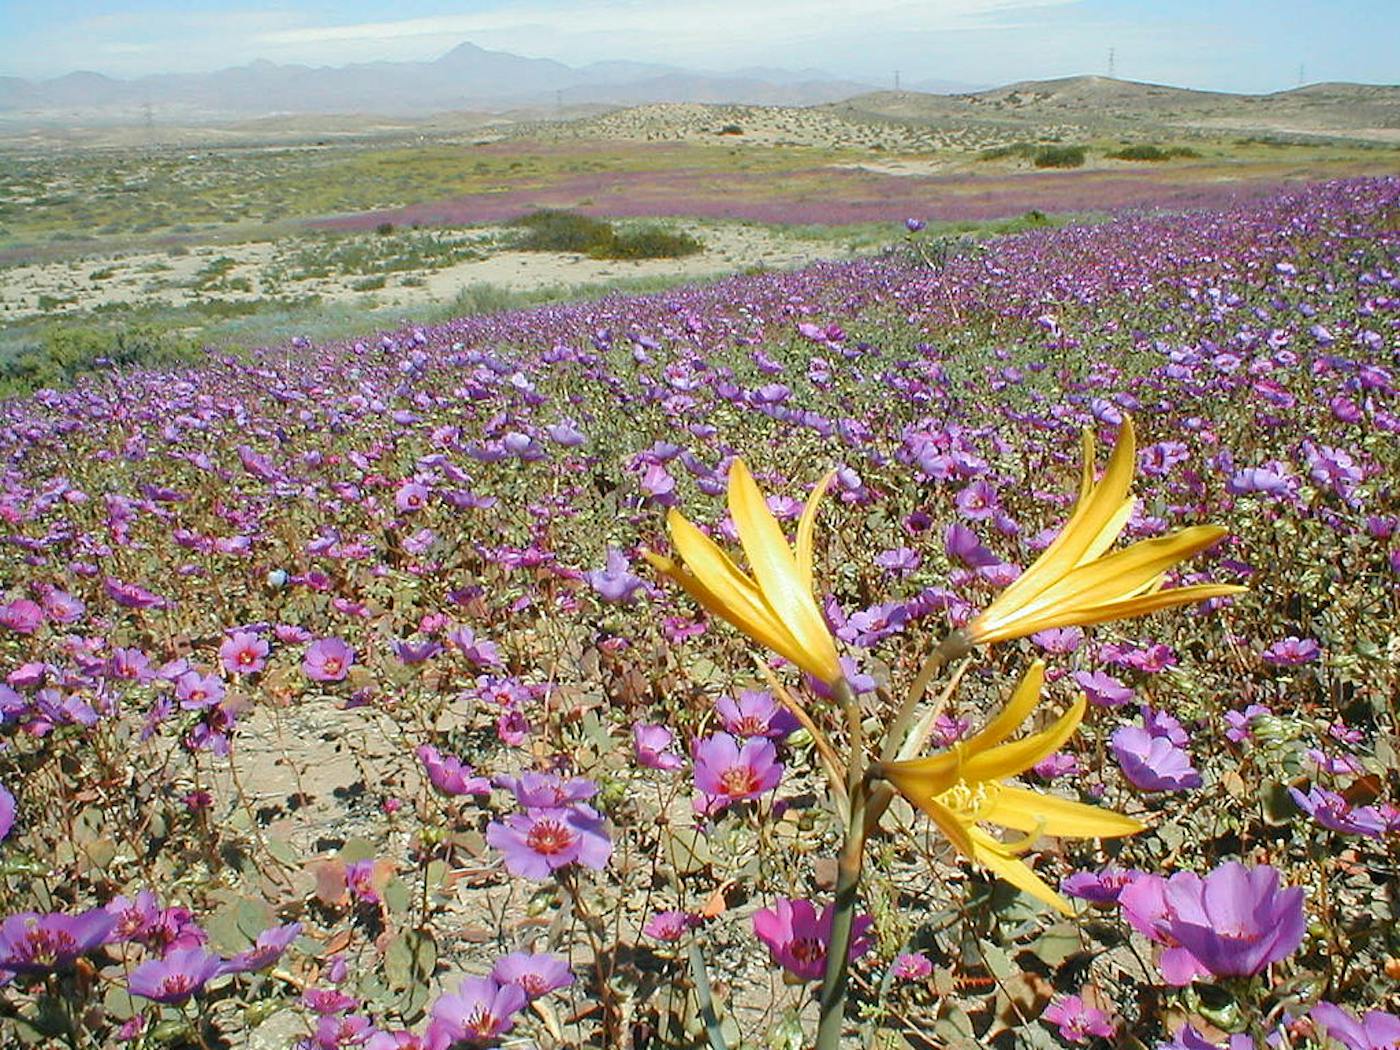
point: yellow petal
(1086, 466)
(998, 763)
(718, 574)
(1029, 811)
(1122, 573)
(804, 531)
(1017, 710)
(990, 854)
(775, 570)
(956, 831)
(917, 778)
(1141, 605)
(1086, 526)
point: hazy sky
(1222, 44)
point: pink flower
(912, 966)
(243, 653)
(1078, 1022)
(650, 743)
(669, 925)
(726, 773)
(797, 938)
(328, 660)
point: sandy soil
(173, 279)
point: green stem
(848, 865)
(952, 647)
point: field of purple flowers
(349, 699)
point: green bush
(648, 242)
(551, 230)
(62, 353)
(1148, 152)
(1059, 157)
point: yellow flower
(963, 787)
(775, 606)
(1074, 583)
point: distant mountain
(1359, 111)
(466, 78)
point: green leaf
(686, 851)
(410, 959)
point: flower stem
(951, 647)
(848, 867)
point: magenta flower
(541, 841)
(1333, 811)
(478, 1013)
(650, 743)
(21, 616)
(670, 925)
(1292, 651)
(1077, 1021)
(1377, 1030)
(546, 790)
(1144, 905)
(1236, 921)
(7, 811)
(34, 943)
(755, 713)
(411, 496)
(726, 773)
(181, 974)
(478, 651)
(266, 950)
(797, 938)
(327, 660)
(536, 974)
(451, 775)
(912, 966)
(1100, 887)
(196, 691)
(243, 653)
(1240, 722)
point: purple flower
(650, 743)
(962, 545)
(536, 975)
(243, 652)
(327, 660)
(21, 616)
(725, 772)
(34, 943)
(451, 775)
(1377, 1030)
(7, 811)
(1103, 689)
(614, 583)
(266, 950)
(1235, 921)
(1099, 887)
(913, 225)
(912, 966)
(478, 651)
(1333, 811)
(669, 925)
(410, 496)
(545, 790)
(1144, 904)
(755, 713)
(1240, 722)
(1187, 1038)
(478, 1013)
(1077, 1021)
(181, 974)
(1291, 651)
(900, 561)
(797, 938)
(978, 501)
(1153, 763)
(540, 841)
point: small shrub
(384, 229)
(1059, 157)
(554, 230)
(649, 242)
(368, 284)
(731, 129)
(1148, 152)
